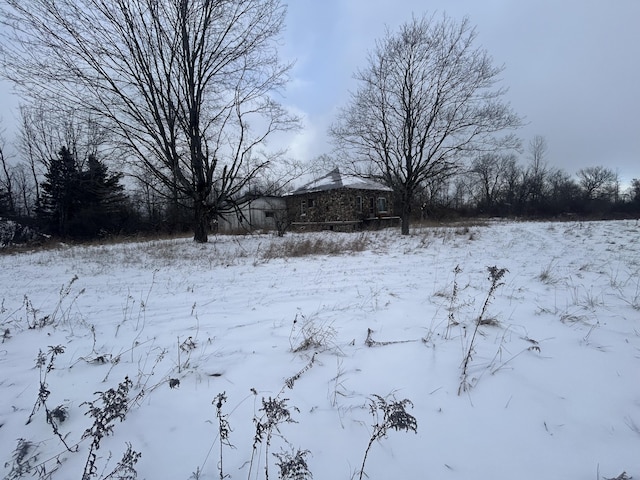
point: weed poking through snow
(388, 414)
(290, 382)
(275, 413)
(370, 342)
(495, 275)
(60, 312)
(223, 428)
(451, 319)
(23, 460)
(125, 469)
(293, 466)
(311, 334)
(115, 404)
(60, 413)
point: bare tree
(538, 149)
(6, 180)
(491, 172)
(25, 191)
(187, 86)
(45, 128)
(597, 181)
(635, 190)
(562, 193)
(426, 99)
(536, 174)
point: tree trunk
(200, 223)
(405, 223)
(405, 211)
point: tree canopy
(426, 99)
(188, 87)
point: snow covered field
(552, 384)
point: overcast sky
(572, 68)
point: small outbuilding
(254, 212)
(341, 202)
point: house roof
(335, 180)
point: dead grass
(304, 245)
(465, 223)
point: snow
(555, 380)
(335, 179)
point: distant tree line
(73, 193)
(82, 199)
(496, 185)
(65, 178)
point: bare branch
(427, 99)
(187, 87)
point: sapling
(394, 416)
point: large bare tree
(187, 86)
(426, 99)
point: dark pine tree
(81, 203)
(102, 200)
(60, 194)
(5, 211)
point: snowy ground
(553, 381)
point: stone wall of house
(339, 205)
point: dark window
(359, 204)
(303, 207)
(268, 214)
(382, 205)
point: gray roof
(335, 180)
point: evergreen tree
(102, 200)
(81, 203)
(60, 198)
(4, 203)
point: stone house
(341, 202)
